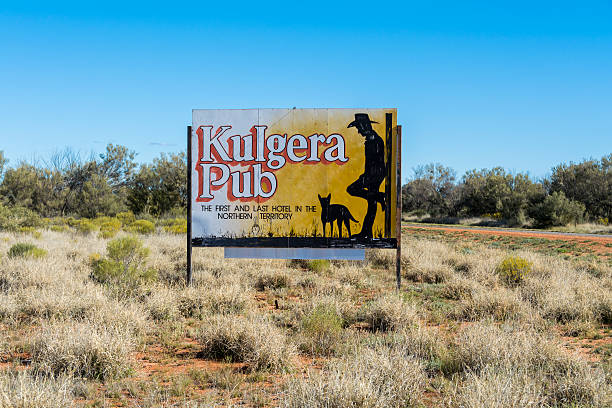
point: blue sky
(524, 86)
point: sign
(294, 178)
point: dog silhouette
(335, 212)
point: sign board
(293, 178)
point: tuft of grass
(82, 349)
(314, 265)
(26, 250)
(24, 390)
(322, 329)
(511, 366)
(199, 303)
(162, 304)
(379, 258)
(272, 280)
(254, 341)
(367, 379)
(499, 304)
(389, 312)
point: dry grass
(253, 341)
(390, 312)
(83, 350)
(21, 390)
(301, 335)
(508, 366)
(586, 228)
(367, 379)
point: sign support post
(189, 244)
(398, 212)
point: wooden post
(398, 212)
(189, 275)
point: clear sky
(524, 86)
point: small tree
(124, 264)
(557, 210)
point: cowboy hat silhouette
(362, 119)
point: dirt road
(576, 245)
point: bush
(59, 228)
(83, 350)
(323, 330)
(126, 218)
(25, 250)
(85, 227)
(12, 218)
(176, 226)
(513, 270)
(141, 227)
(557, 210)
(256, 342)
(110, 228)
(124, 263)
(30, 231)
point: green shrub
(557, 210)
(315, 265)
(177, 226)
(141, 227)
(513, 270)
(124, 263)
(59, 228)
(30, 231)
(323, 330)
(12, 218)
(25, 250)
(126, 218)
(85, 227)
(109, 228)
(101, 219)
(72, 222)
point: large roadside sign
(293, 178)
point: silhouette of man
(368, 184)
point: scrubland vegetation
(577, 196)
(92, 318)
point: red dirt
(595, 243)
